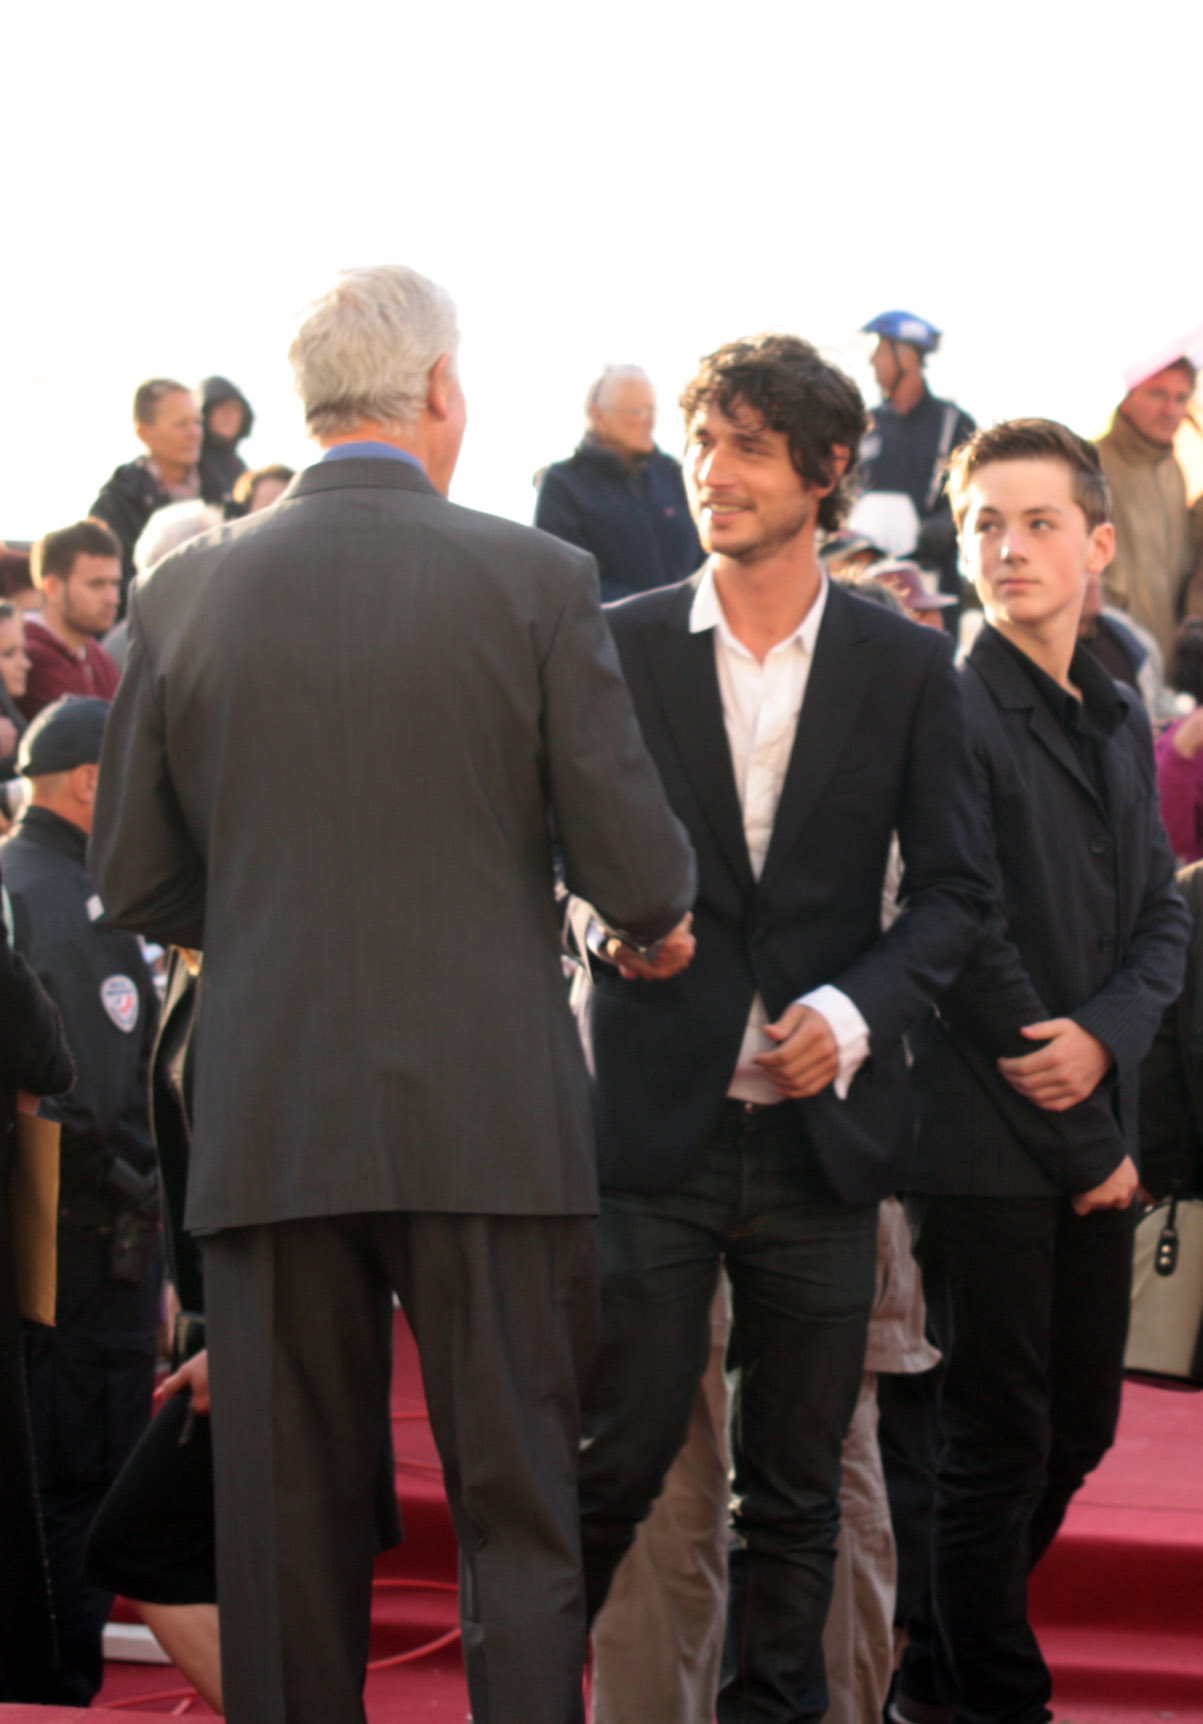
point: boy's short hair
(1032, 440)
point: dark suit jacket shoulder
(879, 749)
(1089, 926)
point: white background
(600, 182)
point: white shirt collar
(706, 612)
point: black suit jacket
(1090, 927)
(880, 747)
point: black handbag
(1165, 1331)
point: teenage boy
(1028, 1076)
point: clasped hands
(1068, 1068)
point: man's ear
(438, 388)
(84, 781)
(837, 466)
(1102, 547)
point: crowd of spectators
(64, 624)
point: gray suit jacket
(346, 728)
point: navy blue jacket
(633, 516)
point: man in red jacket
(78, 570)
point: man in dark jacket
(618, 495)
(1028, 1081)
(90, 1378)
(757, 1108)
(33, 1060)
(167, 419)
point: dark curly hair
(796, 391)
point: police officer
(903, 456)
(90, 1378)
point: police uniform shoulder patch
(119, 997)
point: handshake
(655, 963)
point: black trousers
(90, 1383)
(299, 1324)
(801, 1266)
(1029, 1303)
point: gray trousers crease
(299, 1322)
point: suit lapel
(844, 661)
(686, 681)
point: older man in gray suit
(351, 729)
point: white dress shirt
(761, 703)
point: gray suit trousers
(503, 1309)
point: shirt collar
(371, 451)
(1103, 701)
(706, 612)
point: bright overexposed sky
(632, 182)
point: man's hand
(808, 1058)
(1062, 1074)
(193, 1374)
(1116, 1191)
(668, 957)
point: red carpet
(1118, 1602)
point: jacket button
(1098, 846)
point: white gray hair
(367, 348)
(613, 374)
(172, 526)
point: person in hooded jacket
(228, 419)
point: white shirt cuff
(850, 1030)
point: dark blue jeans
(1028, 1302)
(802, 1267)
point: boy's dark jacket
(1091, 927)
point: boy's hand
(1116, 1191)
(1063, 1073)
